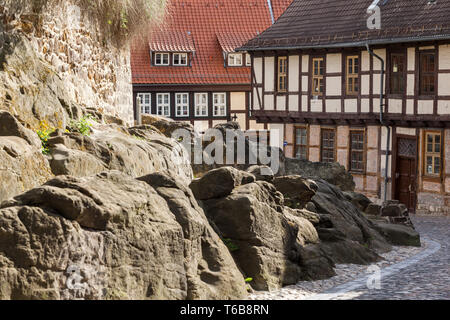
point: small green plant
(231, 245)
(44, 132)
(82, 126)
(248, 280)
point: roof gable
(327, 23)
(209, 27)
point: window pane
(430, 165)
(437, 165)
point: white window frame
(180, 55)
(145, 106)
(161, 108)
(162, 54)
(248, 60)
(232, 59)
(201, 105)
(222, 106)
(181, 106)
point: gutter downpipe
(383, 123)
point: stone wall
(96, 75)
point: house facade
(189, 70)
(317, 79)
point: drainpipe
(383, 123)
(269, 3)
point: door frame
(395, 138)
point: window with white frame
(219, 105)
(163, 104)
(180, 59)
(248, 60)
(201, 104)
(161, 59)
(145, 101)
(182, 104)
(235, 59)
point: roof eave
(348, 44)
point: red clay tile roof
(230, 41)
(171, 41)
(207, 21)
(326, 23)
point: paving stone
(428, 279)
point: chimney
(269, 3)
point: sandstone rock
(347, 235)
(297, 191)
(373, 209)
(273, 156)
(399, 235)
(136, 151)
(166, 125)
(358, 199)
(30, 89)
(22, 167)
(65, 161)
(219, 183)
(9, 126)
(261, 173)
(272, 244)
(126, 240)
(393, 209)
(333, 173)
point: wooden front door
(406, 172)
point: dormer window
(180, 59)
(161, 59)
(235, 59)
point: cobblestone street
(406, 272)
(429, 278)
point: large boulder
(110, 236)
(347, 235)
(399, 235)
(252, 152)
(135, 151)
(333, 173)
(9, 126)
(219, 183)
(167, 126)
(297, 191)
(271, 245)
(22, 167)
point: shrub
(231, 245)
(82, 126)
(44, 133)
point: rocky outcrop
(22, 167)
(110, 236)
(297, 191)
(397, 234)
(347, 235)
(135, 151)
(252, 152)
(333, 173)
(219, 183)
(261, 173)
(9, 126)
(272, 246)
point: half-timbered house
(189, 71)
(364, 83)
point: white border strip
(432, 247)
